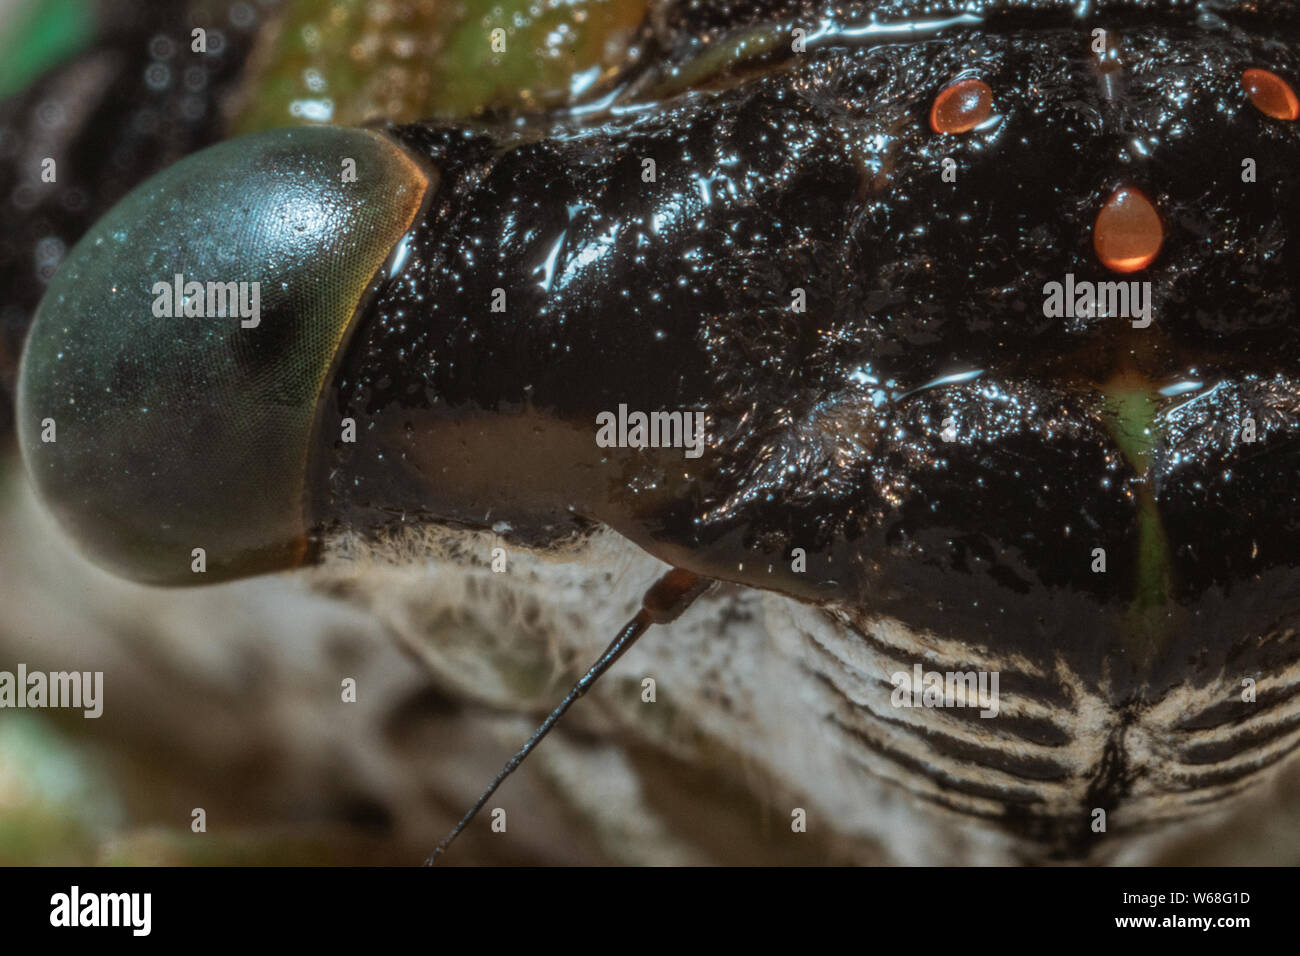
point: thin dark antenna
(664, 602)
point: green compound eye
(169, 389)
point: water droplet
(1271, 94)
(961, 106)
(1128, 233)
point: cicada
(955, 341)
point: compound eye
(1271, 94)
(961, 106)
(169, 390)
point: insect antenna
(663, 603)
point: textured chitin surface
(949, 456)
(134, 102)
